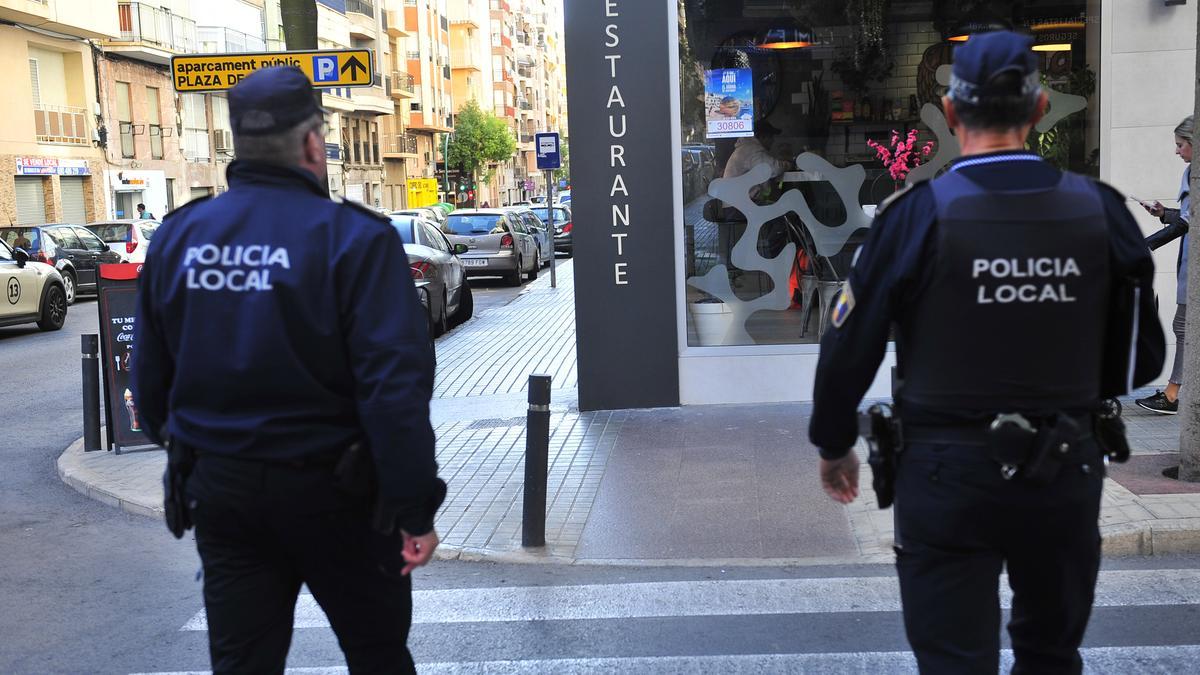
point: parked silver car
(499, 243)
(428, 212)
(436, 268)
(537, 227)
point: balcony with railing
(360, 7)
(375, 98)
(402, 145)
(152, 33)
(403, 85)
(220, 40)
(60, 124)
(464, 59)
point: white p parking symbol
(325, 69)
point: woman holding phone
(1175, 223)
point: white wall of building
(1147, 84)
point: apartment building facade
(50, 139)
(98, 128)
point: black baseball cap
(986, 55)
(271, 100)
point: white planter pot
(713, 321)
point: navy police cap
(271, 100)
(986, 55)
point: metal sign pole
(550, 227)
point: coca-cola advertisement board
(117, 304)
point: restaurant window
(782, 107)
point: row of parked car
(77, 251)
(446, 249)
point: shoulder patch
(897, 196)
(845, 305)
(363, 209)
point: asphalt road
(85, 588)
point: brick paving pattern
(498, 351)
(483, 463)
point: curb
(1141, 538)
(75, 473)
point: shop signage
(422, 192)
(118, 308)
(51, 166)
(325, 67)
(625, 280)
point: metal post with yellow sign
(324, 67)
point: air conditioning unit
(223, 140)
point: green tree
(479, 138)
(564, 172)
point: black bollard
(90, 346)
(537, 456)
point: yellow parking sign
(324, 67)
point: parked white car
(130, 238)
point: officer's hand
(839, 477)
(1156, 209)
(418, 550)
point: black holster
(354, 473)
(180, 462)
(1037, 454)
(1109, 429)
(881, 429)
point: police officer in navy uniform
(278, 332)
(1020, 296)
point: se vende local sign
(325, 67)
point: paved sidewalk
(695, 485)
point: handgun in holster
(881, 429)
(180, 462)
(1109, 429)
(354, 473)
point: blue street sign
(547, 151)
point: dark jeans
(262, 530)
(958, 522)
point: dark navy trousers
(262, 531)
(959, 524)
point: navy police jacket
(892, 282)
(276, 324)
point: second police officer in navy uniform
(1020, 296)
(278, 335)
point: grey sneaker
(1158, 403)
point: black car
(562, 227)
(73, 250)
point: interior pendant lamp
(1056, 36)
(785, 37)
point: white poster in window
(729, 103)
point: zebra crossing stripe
(722, 598)
(1096, 660)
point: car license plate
(474, 262)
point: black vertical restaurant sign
(118, 308)
(619, 79)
